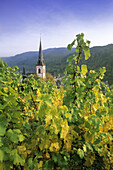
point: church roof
(40, 57)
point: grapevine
(45, 127)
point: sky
(22, 22)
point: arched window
(39, 70)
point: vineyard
(66, 128)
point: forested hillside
(102, 56)
(55, 59)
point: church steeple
(40, 66)
(40, 57)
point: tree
(49, 77)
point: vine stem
(36, 107)
(75, 72)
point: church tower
(40, 66)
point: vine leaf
(80, 152)
(2, 130)
(87, 54)
(1, 155)
(84, 69)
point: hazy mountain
(55, 59)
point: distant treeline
(56, 60)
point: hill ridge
(55, 59)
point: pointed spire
(40, 57)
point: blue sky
(58, 22)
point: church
(41, 69)
(40, 66)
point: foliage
(49, 77)
(89, 102)
(43, 127)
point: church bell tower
(40, 66)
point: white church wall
(42, 72)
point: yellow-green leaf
(1, 155)
(87, 54)
(2, 130)
(80, 152)
(84, 69)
